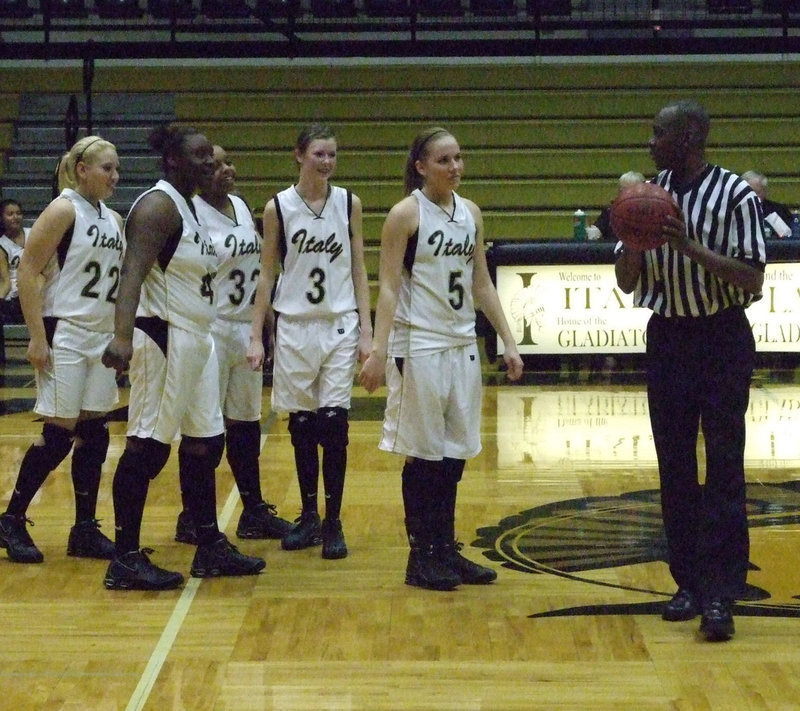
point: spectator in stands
(433, 272)
(238, 248)
(601, 229)
(164, 312)
(313, 231)
(12, 242)
(75, 250)
(777, 216)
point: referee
(700, 358)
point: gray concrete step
(153, 107)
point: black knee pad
(145, 455)
(207, 450)
(57, 443)
(333, 426)
(303, 428)
(243, 440)
(94, 438)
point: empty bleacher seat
(67, 8)
(278, 8)
(118, 8)
(164, 9)
(733, 7)
(549, 7)
(387, 8)
(225, 8)
(493, 7)
(333, 8)
(440, 8)
(15, 8)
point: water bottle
(579, 225)
(795, 225)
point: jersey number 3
(317, 294)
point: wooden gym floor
(562, 502)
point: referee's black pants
(698, 375)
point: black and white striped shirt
(722, 212)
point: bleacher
(540, 139)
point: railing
(393, 28)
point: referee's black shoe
(222, 558)
(683, 606)
(717, 620)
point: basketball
(638, 214)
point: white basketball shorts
(77, 380)
(315, 362)
(239, 384)
(174, 385)
(433, 407)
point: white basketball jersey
(82, 279)
(435, 308)
(316, 278)
(238, 247)
(13, 254)
(179, 288)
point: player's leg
(303, 428)
(462, 441)
(89, 453)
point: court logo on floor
(572, 538)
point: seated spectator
(777, 217)
(601, 229)
(12, 242)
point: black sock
(88, 455)
(129, 490)
(37, 464)
(242, 450)
(200, 486)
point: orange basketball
(638, 214)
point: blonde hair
(83, 151)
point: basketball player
(168, 273)
(238, 248)
(12, 241)
(68, 278)
(313, 230)
(433, 273)
(700, 359)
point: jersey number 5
(456, 291)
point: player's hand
(117, 355)
(372, 372)
(255, 354)
(39, 354)
(514, 365)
